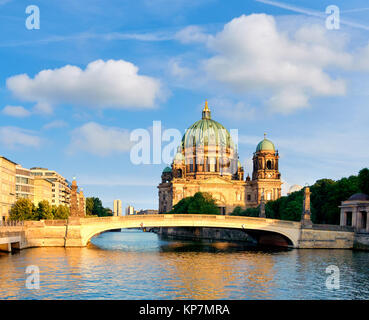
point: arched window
(269, 164)
(179, 173)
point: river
(136, 265)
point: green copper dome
(167, 169)
(207, 132)
(265, 145)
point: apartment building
(7, 186)
(61, 188)
(117, 207)
(24, 183)
(42, 190)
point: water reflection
(136, 265)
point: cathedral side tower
(266, 178)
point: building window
(249, 197)
(349, 219)
(363, 219)
(269, 164)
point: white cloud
(43, 108)
(237, 111)
(177, 70)
(55, 124)
(14, 137)
(100, 140)
(252, 54)
(16, 111)
(103, 84)
(191, 34)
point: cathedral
(207, 161)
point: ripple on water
(137, 265)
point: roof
(8, 160)
(359, 197)
(265, 145)
(167, 169)
(207, 132)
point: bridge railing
(11, 223)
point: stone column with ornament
(306, 213)
(74, 212)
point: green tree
(89, 206)
(44, 210)
(23, 209)
(199, 203)
(94, 207)
(363, 181)
(249, 212)
(61, 212)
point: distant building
(130, 210)
(7, 186)
(61, 188)
(294, 188)
(355, 212)
(148, 211)
(24, 183)
(117, 208)
(42, 190)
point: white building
(117, 207)
(130, 210)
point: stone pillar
(342, 217)
(73, 200)
(367, 221)
(82, 204)
(354, 217)
(306, 214)
(262, 207)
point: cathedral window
(269, 164)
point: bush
(23, 209)
(61, 212)
(200, 203)
(44, 210)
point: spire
(206, 114)
(265, 135)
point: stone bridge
(77, 232)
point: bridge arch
(287, 230)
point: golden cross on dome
(265, 135)
(206, 108)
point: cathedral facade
(207, 161)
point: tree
(94, 207)
(23, 209)
(363, 181)
(89, 206)
(44, 210)
(249, 212)
(199, 203)
(61, 212)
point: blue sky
(72, 91)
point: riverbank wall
(361, 241)
(203, 233)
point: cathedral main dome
(207, 132)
